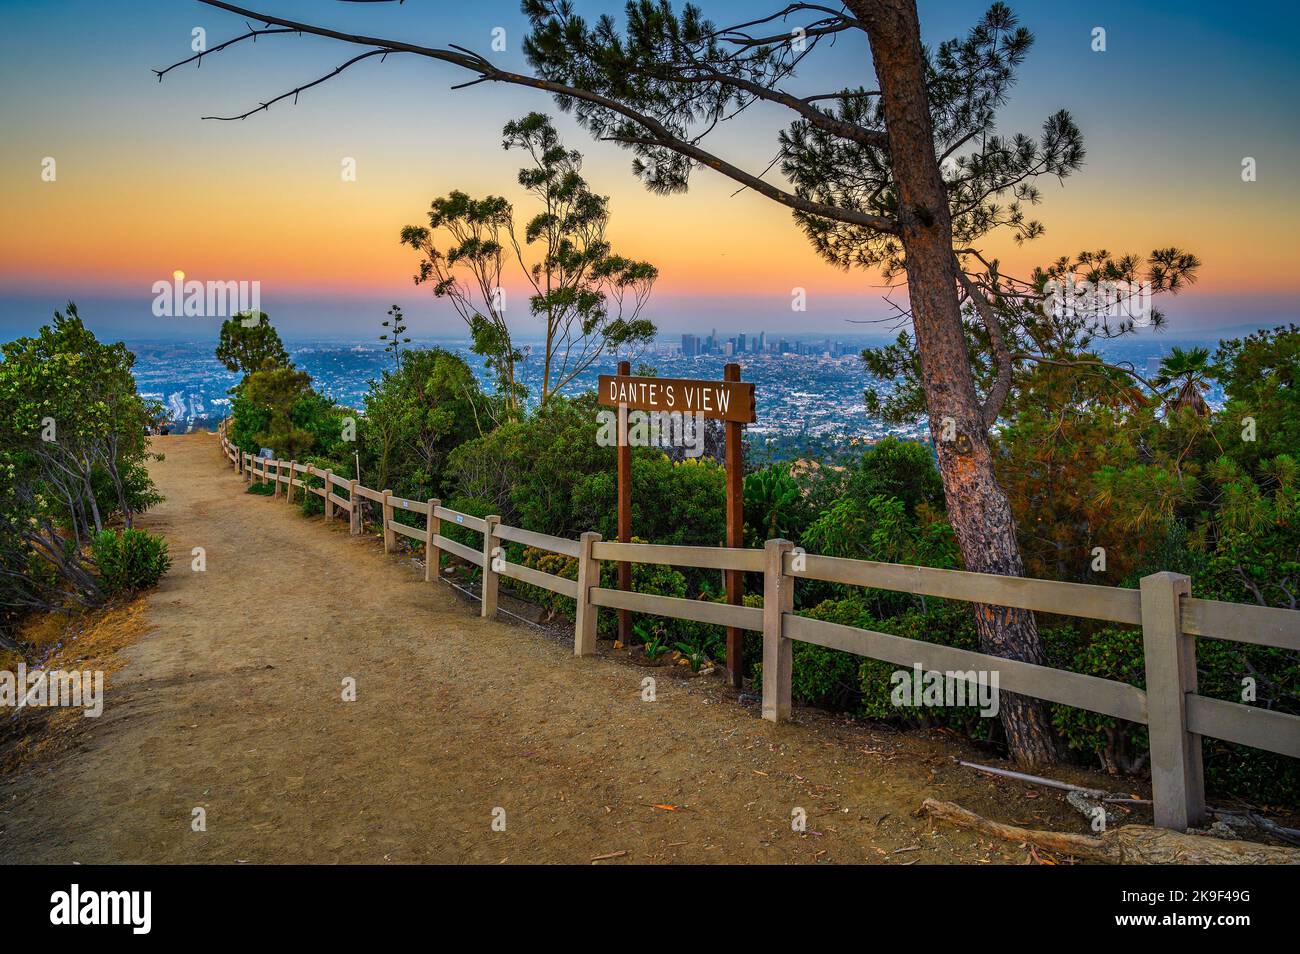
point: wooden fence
(1175, 715)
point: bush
(775, 506)
(897, 468)
(59, 486)
(309, 504)
(277, 407)
(1119, 746)
(549, 473)
(129, 560)
(415, 416)
(547, 562)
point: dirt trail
(232, 702)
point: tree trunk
(977, 507)
(90, 494)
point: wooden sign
(720, 400)
(729, 400)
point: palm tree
(1184, 372)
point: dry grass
(87, 640)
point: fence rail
(540, 541)
(1048, 596)
(708, 558)
(1176, 716)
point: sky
(144, 186)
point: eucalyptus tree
(463, 254)
(587, 298)
(896, 167)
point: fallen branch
(1289, 835)
(1032, 779)
(1127, 845)
(1081, 798)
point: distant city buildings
(809, 392)
(693, 346)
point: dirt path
(232, 702)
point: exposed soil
(231, 701)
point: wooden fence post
(288, 488)
(275, 491)
(390, 537)
(491, 543)
(1177, 777)
(329, 504)
(778, 650)
(624, 569)
(432, 555)
(354, 508)
(245, 467)
(584, 625)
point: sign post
(735, 534)
(728, 400)
(624, 508)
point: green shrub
(1119, 746)
(1110, 653)
(260, 489)
(129, 560)
(310, 504)
(555, 564)
(646, 578)
(415, 415)
(58, 485)
(828, 677)
(834, 679)
(775, 505)
(902, 469)
(653, 638)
